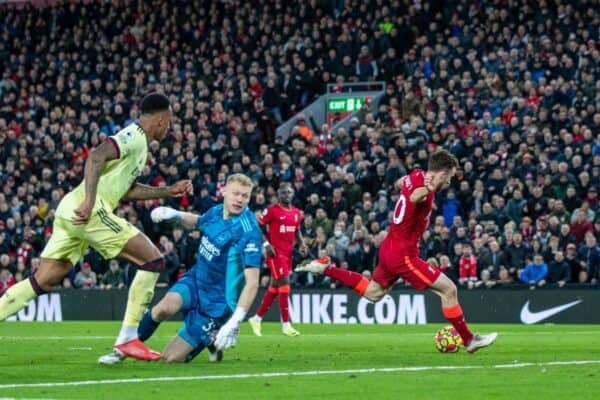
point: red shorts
(280, 266)
(394, 264)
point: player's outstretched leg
(267, 301)
(140, 251)
(49, 274)
(353, 280)
(452, 310)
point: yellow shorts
(104, 232)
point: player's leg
(165, 309)
(452, 310)
(196, 334)
(63, 250)
(373, 290)
(140, 251)
(178, 350)
(50, 273)
(113, 237)
(284, 288)
(282, 282)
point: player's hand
(269, 249)
(429, 183)
(181, 188)
(83, 213)
(161, 214)
(227, 336)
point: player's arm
(140, 191)
(93, 170)
(269, 249)
(421, 193)
(186, 219)
(252, 259)
(250, 289)
(264, 219)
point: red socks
(454, 314)
(284, 303)
(267, 301)
(353, 280)
(284, 307)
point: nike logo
(528, 317)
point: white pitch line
(293, 373)
(398, 333)
(24, 398)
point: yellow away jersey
(117, 176)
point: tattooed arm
(139, 191)
(145, 192)
(93, 170)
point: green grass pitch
(326, 362)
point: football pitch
(58, 361)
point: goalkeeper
(217, 292)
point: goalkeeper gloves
(227, 335)
(161, 214)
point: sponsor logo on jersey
(207, 249)
(284, 229)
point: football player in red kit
(282, 222)
(399, 252)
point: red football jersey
(283, 223)
(410, 220)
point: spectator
(340, 241)
(85, 278)
(467, 267)
(558, 270)
(581, 226)
(588, 256)
(535, 273)
(113, 278)
(493, 260)
(6, 280)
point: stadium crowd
(510, 87)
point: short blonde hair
(242, 179)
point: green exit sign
(349, 104)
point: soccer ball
(447, 340)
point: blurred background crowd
(512, 88)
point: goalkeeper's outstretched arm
(186, 219)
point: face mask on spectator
(337, 233)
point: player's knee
(375, 297)
(450, 291)
(161, 313)
(155, 265)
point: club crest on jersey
(222, 238)
(124, 138)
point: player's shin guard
(455, 315)
(18, 297)
(267, 300)
(284, 303)
(139, 297)
(147, 326)
(353, 280)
